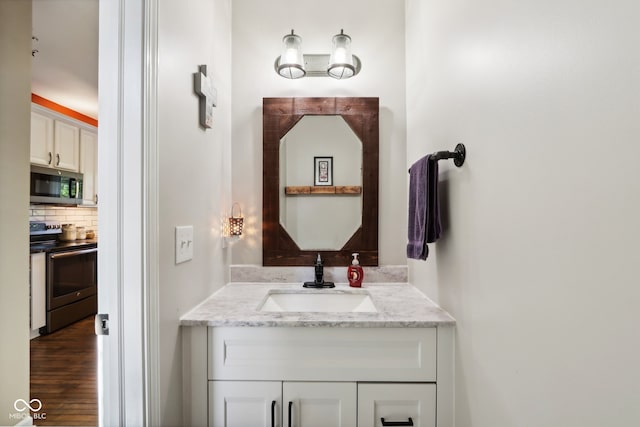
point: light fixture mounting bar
(316, 64)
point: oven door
(71, 276)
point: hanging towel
(424, 210)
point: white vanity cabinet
(319, 404)
(397, 404)
(245, 403)
(277, 404)
(328, 376)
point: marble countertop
(399, 305)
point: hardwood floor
(63, 375)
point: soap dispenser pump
(354, 272)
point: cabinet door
(396, 403)
(245, 404)
(308, 404)
(38, 291)
(41, 140)
(66, 146)
(89, 166)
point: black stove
(71, 275)
(43, 235)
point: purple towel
(424, 210)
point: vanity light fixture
(340, 64)
(290, 64)
(341, 60)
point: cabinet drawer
(324, 354)
(396, 403)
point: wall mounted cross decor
(208, 96)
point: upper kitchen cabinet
(55, 141)
(66, 146)
(41, 139)
(89, 167)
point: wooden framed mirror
(280, 116)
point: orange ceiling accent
(36, 99)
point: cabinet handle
(57, 159)
(290, 405)
(409, 422)
(273, 413)
(50, 158)
(96, 198)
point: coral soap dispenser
(355, 273)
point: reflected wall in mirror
(303, 216)
(320, 183)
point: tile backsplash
(86, 217)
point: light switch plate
(184, 243)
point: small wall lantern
(236, 222)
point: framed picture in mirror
(323, 170)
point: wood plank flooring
(63, 375)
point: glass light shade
(341, 60)
(291, 64)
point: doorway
(63, 365)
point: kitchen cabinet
(56, 139)
(66, 146)
(89, 167)
(41, 139)
(38, 291)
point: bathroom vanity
(279, 355)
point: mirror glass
(323, 155)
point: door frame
(128, 374)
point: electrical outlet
(184, 243)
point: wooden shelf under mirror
(310, 189)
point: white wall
(539, 257)
(377, 32)
(194, 172)
(15, 115)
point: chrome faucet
(319, 277)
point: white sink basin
(324, 301)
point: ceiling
(65, 68)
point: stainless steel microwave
(55, 186)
